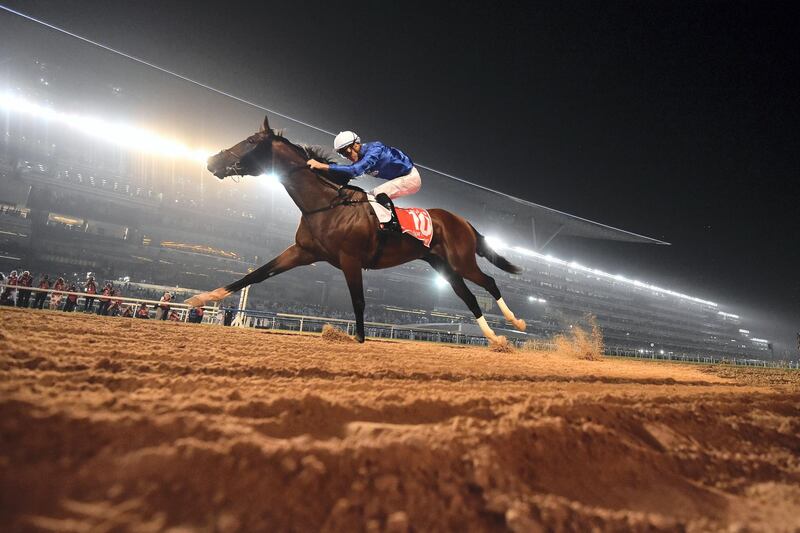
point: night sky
(676, 120)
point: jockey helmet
(345, 139)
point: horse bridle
(236, 168)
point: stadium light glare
(271, 181)
(745, 331)
(495, 243)
(762, 341)
(118, 133)
(727, 315)
(600, 273)
(440, 282)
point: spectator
(23, 296)
(196, 315)
(38, 300)
(102, 307)
(116, 304)
(143, 311)
(56, 296)
(90, 288)
(7, 297)
(72, 299)
(127, 311)
(162, 311)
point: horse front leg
(352, 274)
(290, 258)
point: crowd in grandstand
(12, 211)
(115, 299)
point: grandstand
(71, 203)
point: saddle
(412, 221)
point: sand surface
(111, 424)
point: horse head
(246, 158)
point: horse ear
(265, 127)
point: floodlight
(113, 132)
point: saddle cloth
(413, 220)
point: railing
(314, 324)
(697, 358)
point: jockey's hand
(313, 164)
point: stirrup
(393, 224)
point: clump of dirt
(334, 334)
(578, 343)
(501, 345)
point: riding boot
(385, 201)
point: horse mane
(309, 151)
(313, 152)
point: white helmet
(345, 139)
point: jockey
(380, 161)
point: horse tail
(484, 250)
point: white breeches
(402, 186)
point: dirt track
(109, 424)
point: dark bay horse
(338, 226)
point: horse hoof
(194, 301)
(359, 338)
(219, 294)
(520, 324)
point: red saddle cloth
(416, 222)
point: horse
(338, 226)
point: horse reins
(340, 200)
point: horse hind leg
(463, 292)
(460, 247)
(477, 276)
